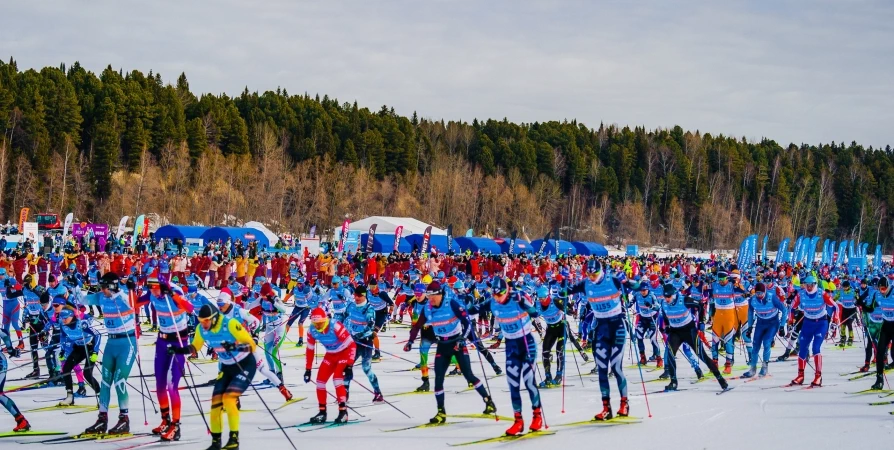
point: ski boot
(320, 417)
(165, 421)
(101, 425)
(879, 383)
(659, 363)
(300, 342)
(765, 366)
(215, 442)
(536, 420)
(454, 372)
(547, 381)
(68, 401)
(664, 375)
(802, 363)
(606, 413)
(342, 414)
(585, 357)
(82, 391)
(22, 424)
(723, 383)
(728, 367)
(172, 432)
(440, 417)
(424, 387)
(672, 386)
(624, 409)
(378, 398)
(55, 378)
(285, 392)
(377, 355)
(123, 425)
(21, 345)
(653, 358)
(864, 368)
(850, 341)
(518, 426)
(842, 342)
(232, 442)
(751, 372)
(818, 366)
(497, 369)
(489, 406)
(698, 373)
(557, 381)
(642, 359)
(34, 374)
(154, 329)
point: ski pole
(265, 406)
(386, 401)
(483, 373)
(533, 375)
(643, 382)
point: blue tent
(182, 232)
(242, 234)
(474, 244)
(590, 249)
(565, 247)
(384, 243)
(438, 241)
(521, 246)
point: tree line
(126, 143)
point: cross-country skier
(340, 354)
(22, 424)
(813, 302)
(451, 325)
(80, 342)
(766, 307)
(360, 320)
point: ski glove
(93, 357)
(181, 350)
(307, 376)
(408, 346)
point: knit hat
(225, 296)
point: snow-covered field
(754, 415)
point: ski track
(749, 417)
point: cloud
(810, 72)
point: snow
(748, 417)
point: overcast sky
(794, 71)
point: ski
(480, 416)
(756, 378)
(618, 420)
(729, 388)
(701, 380)
(289, 402)
(881, 403)
(871, 391)
(412, 393)
(807, 388)
(779, 387)
(504, 438)
(30, 433)
(83, 437)
(58, 407)
(426, 425)
(326, 426)
(159, 443)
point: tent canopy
(437, 241)
(475, 244)
(590, 249)
(565, 247)
(384, 243)
(182, 232)
(243, 234)
(388, 224)
(271, 236)
(521, 246)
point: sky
(794, 71)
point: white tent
(386, 224)
(271, 236)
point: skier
(846, 299)
(340, 354)
(118, 356)
(417, 304)
(881, 303)
(22, 424)
(360, 320)
(451, 325)
(552, 309)
(766, 307)
(513, 312)
(37, 317)
(380, 300)
(305, 300)
(235, 349)
(603, 296)
(725, 321)
(813, 302)
(12, 306)
(173, 322)
(646, 323)
(681, 328)
(80, 342)
(873, 318)
(273, 321)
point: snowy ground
(751, 416)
